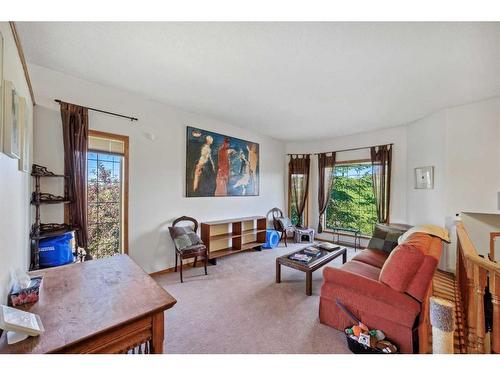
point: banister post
(480, 283)
(495, 299)
(471, 318)
(424, 326)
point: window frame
(125, 140)
(324, 220)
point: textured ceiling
(291, 81)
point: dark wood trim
(172, 269)
(125, 140)
(22, 58)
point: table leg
(158, 334)
(308, 283)
(344, 256)
(278, 272)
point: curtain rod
(346, 149)
(100, 110)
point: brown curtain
(299, 188)
(325, 184)
(381, 157)
(75, 136)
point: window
(352, 203)
(107, 186)
(294, 216)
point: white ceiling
(292, 81)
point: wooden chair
(192, 251)
(277, 214)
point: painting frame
(218, 165)
(11, 133)
(24, 128)
(424, 177)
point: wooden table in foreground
(323, 258)
(101, 306)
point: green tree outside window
(352, 203)
(104, 195)
(294, 215)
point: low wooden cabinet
(230, 236)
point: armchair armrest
(370, 295)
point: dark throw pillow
(184, 237)
(385, 237)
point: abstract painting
(219, 166)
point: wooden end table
(318, 261)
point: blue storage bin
(55, 251)
(272, 239)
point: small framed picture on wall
(24, 128)
(424, 177)
(11, 131)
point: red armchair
(387, 292)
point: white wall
(463, 145)
(396, 135)
(157, 160)
(479, 227)
(14, 185)
(426, 147)
(473, 157)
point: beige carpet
(238, 308)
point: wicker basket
(357, 348)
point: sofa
(385, 285)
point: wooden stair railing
(444, 285)
(493, 237)
(473, 275)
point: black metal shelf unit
(41, 230)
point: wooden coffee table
(318, 261)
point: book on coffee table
(300, 257)
(327, 246)
(312, 250)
